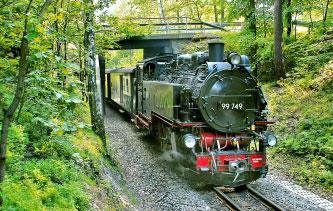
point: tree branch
(44, 7)
(6, 3)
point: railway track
(246, 199)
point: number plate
(230, 106)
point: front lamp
(271, 140)
(234, 58)
(189, 140)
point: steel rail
(227, 199)
(265, 199)
(254, 193)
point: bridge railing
(183, 24)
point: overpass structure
(169, 34)
(153, 45)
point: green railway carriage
(120, 88)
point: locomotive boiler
(205, 108)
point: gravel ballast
(156, 186)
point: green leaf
(40, 55)
(31, 35)
(73, 66)
(59, 95)
(68, 127)
(82, 125)
(58, 58)
(75, 100)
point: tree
(161, 13)
(278, 57)
(20, 84)
(288, 17)
(325, 10)
(251, 24)
(251, 17)
(9, 112)
(94, 96)
(222, 10)
(215, 12)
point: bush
(45, 184)
(55, 147)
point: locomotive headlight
(234, 58)
(271, 140)
(189, 140)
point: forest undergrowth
(56, 162)
(302, 106)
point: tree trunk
(178, 15)
(21, 105)
(252, 18)
(198, 12)
(65, 45)
(161, 13)
(215, 13)
(222, 11)
(325, 12)
(288, 17)
(278, 30)
(94, 95)
(252, 27)
(9, 112)
(265, 21)
(295, 27)
(4, 136)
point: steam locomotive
(206, 109)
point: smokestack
(216, 51)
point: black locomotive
(207, 110)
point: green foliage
(58, 147)
(306, 55)
(53, 158)
(45, 184)
(123, 58)
(19, 140)
(52, 173)
(302, 105)
(308, 172)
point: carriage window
(127, 87)
(149, 71)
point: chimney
(216, 51)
